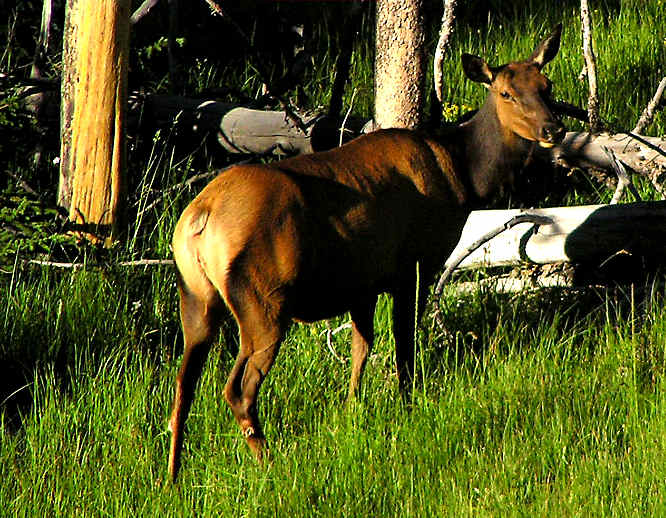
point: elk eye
(505, 95)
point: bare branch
(344, 121)
(259, 65)
(329, 338)
(648, 114)
(24, 185)
(642, 154)
(455, 262)
(570, 110)
(142, 10)
(623, 180)
(78, 266)
(44, 40)
(591, 68)
(442, 45)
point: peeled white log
(645, 155)
(581, 234)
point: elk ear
(477, 69)
(548, 48)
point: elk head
(520, 93)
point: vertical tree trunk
(38, 102)
(94, 94)
(399, 64)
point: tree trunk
(399, 64)
(94, 93)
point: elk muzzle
(552, 133)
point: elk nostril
(560, 132)
(553, 132)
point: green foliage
(29, 228)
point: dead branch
(259, 66)
(442, 45)
(142, 10)
(24, 185)
(578, 234)
(329, 338)
(590, 67)
(648, 114)
(570, 110)
(642, 154)
(244, 130)
(343, 126)
(343, 60)
(44, 40)
(454, 261)
(623, 180)
(78, 266)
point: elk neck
(487, 154)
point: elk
(314, 236)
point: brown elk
(317, 235)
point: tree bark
(399, 64)
(590, 68)
(94, 93)
(442, 45)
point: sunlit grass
(559, 412)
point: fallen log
(644, 155)
(589, 234)
(245, 130)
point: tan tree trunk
(94, 93)
(400, 64)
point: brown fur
(317, 235)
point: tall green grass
(534, 405)
(532, 409)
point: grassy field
(542, 404)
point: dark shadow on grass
(125, 313)
(621, 288)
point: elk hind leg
(260, 336)
(200, 319)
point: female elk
(317, 235)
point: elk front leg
(406, 313)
